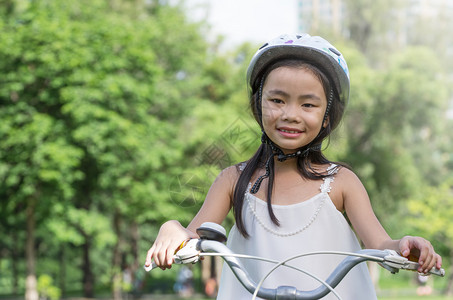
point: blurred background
(116, 116)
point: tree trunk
(88, 285)
(116, 264)
(62, 273)
(137, 264)
(31, 288)
(14, 259)
(135, 235)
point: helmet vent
(264, 46)
(335, 51)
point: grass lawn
(415, 298)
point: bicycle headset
(313, 50)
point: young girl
(289, 198)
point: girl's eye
(307, 105)
(276, 100)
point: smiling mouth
(290, 131)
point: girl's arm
(218, 200)
(358, 208)
(214, 209)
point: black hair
(312, 153)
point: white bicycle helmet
(313, 49)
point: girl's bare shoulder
(230, 175)
(345, 186)
(346, 175)
(349, 187)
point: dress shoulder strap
(241, 166)
(331, 171)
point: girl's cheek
(270, 112)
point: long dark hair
(312, 153)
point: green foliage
(46, 289)
(90, 111)
(394, 126)
(430, 213)
(367, 23)
(77, 222)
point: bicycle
(211, 243)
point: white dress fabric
(308, 226)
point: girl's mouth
(289, 132)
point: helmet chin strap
(281, 157)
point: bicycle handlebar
(389, 259)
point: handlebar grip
(150, 267)
(439, 272)
(153, 265)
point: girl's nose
(290, 114)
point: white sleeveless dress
(311, 225)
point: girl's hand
(420, 250)
(171, 235)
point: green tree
(396, 131)
(90, 105)
(430, 213)
(369, 28)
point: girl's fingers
(404, 247)
(156, 256)
(438, 261)
(149, 256)
(423, 258)
(170, 236)
(163, 254)
(169, 256)
(417, 247)
(427, 261)
(428, 257)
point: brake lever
(394, 262)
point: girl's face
(293, 106)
